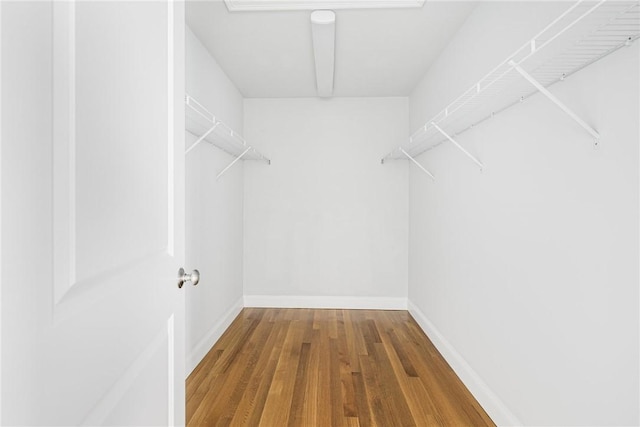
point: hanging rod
(206, 127)
(583, 34)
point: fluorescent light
(323, 31)
(266, 5)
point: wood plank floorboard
(327, 368)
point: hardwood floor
(317, 368)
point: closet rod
(205, 126)
(583, 34)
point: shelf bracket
(555, 100)
(417, 164)
(199, 140)
(460, 147)
(232, 163)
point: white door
(92, 213)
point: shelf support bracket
(460, 147)
(555, 100)
(417, 164)
(232, 163)
(199, 140)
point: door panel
(134, 399)
(117, 81)
(104, 224)
(107, 328)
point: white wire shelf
(206, 127)
(586, 32)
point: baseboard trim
(491, 403)
(336, 302)
(202, 348)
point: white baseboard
(202, 348)
(491, 403)
(370, 303)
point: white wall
(326, 219)
(213, 210)
(526, 275)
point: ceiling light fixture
(323, 31)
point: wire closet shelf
(586, 32)
(206, 127)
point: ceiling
(253, 5)
(379, 52)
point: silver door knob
(193, 277)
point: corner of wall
(206, 343)
(495, 407)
